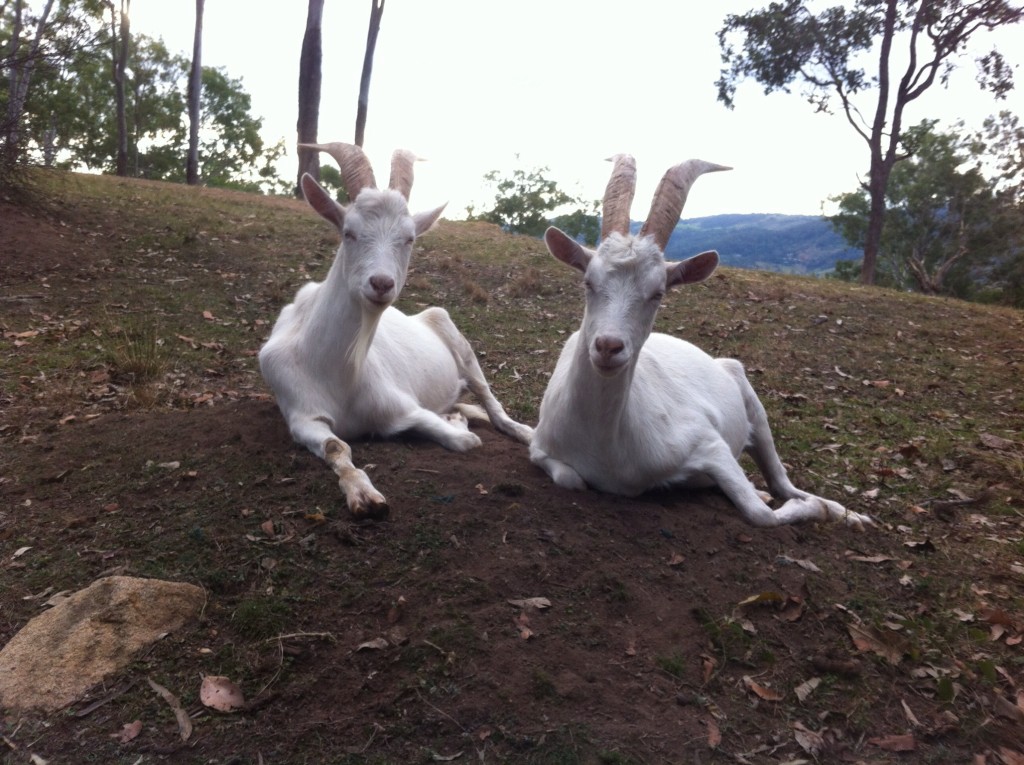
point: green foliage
(947, 229)
(523, 205)
(69, 118)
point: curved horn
(356, 172)
(401, 172)
(618, 196)
(670, 197)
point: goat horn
(670, 196)
(356, 172)
(401, 172)
(618, 196)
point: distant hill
(796, 244)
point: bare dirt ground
(669, 632)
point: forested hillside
(798, 244)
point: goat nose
(608, 346)
(382, 285)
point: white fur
(627, 411)
(345, 364)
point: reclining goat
(344, 364)
(627, 410)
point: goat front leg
(562, 474)
(316, 434)
(364, 501)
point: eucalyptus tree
(894, 49)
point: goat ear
(567, 249)
(321, 201)
(692, 270)
(425, 221)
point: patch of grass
(260, 617)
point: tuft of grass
(138, 355)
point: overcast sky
(477, 86)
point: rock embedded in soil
(55, 658)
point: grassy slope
(158, 296)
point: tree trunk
(195, 86)
(376, 11)
(310, 66)
(121, 39)
(19, 79)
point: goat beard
(360, 347)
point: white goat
(343, 363)
(626, 410)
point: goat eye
(349, 236)
(657, 297)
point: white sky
(470, 84)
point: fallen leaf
(218, 692)
(924, 546)
(807, 687)
(522, 624)
(805, 564)
(760, 690)
(268, 528)
(904, 743)
(869, 558)
(184, 721)
(996, 442)
(909, 714)
(761, 598)
(714, 733)
(128, 732)
(809, 741)
(373, 645)
(676, 560)
(869, 639)
(708, 665)
(539, 603)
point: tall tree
(786, 42)
(939, 217)
(120, 40)
(195, 84)
(310, 65)
(376, 11)
(21, 60)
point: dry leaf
(908, 712)
(870, 558)
(218, 692)
(714, 733)
(806, 564)
(995, 442)
(708, 665)
(793, 610)
(760, 690)
(539, 603)
(869, 639)
(904, 743)
(762, 597)
(809, 741)
(268, 528)
(522, 624)
(184, 721)
(676, 560)
(128, 732)
(807, 687)
(373, 645)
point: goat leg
(364, 501)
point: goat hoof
(372, 511)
